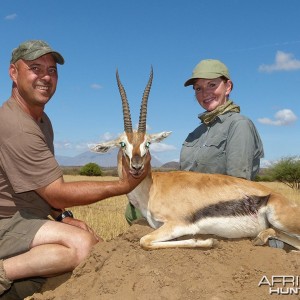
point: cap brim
(37, 54)
(206, 75)
(190, 82)
(58, 58)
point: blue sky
(258, 40)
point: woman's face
(211, 93)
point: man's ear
(13, 72)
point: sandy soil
(120, 269)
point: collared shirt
(230, 145)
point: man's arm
(61, 194)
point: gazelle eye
(122, 144)
(147, 145)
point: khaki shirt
(231, 145)
(26, 161)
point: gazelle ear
(105, 147)
(158, 137)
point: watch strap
(63, 215)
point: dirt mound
(120, 269)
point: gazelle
(181, 203)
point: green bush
(91, 169)
(287, 171)
(70, 170)
(263, 177)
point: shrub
(287, 171)
(263, 177)
(70, 170)
(91, 169)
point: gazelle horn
(143, 111)
(125, 105)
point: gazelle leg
(264, 236)
(293, 241)
(164, 236)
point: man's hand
(82, 225)
(130, 180)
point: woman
(225, 142)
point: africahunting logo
(281, 284)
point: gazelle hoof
(263, 237)
(274, 243)
(258, 241)
(215, 243)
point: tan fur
(181, 203)
(175, 195)
(170, 200)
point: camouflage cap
(33, 49)
(208, 69)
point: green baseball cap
(33, 49)
(208, 69)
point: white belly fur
(232, 227)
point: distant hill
(171, 165)
(103, 160)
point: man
(31, 183)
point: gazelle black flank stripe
(231, 208)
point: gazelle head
(134, 144)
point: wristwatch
(63, 215)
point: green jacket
(229, 145)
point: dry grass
(291, 194)
(107, 216)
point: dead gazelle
(183, 203)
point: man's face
(35, 80)
(211, 93)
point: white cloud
(264, 163)
(66, 145)
(62, 145)
(283, 62)
(10, 17)
(96, 86)
(81, 147)
(282, 117)
(107, 136)
(161, 147)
